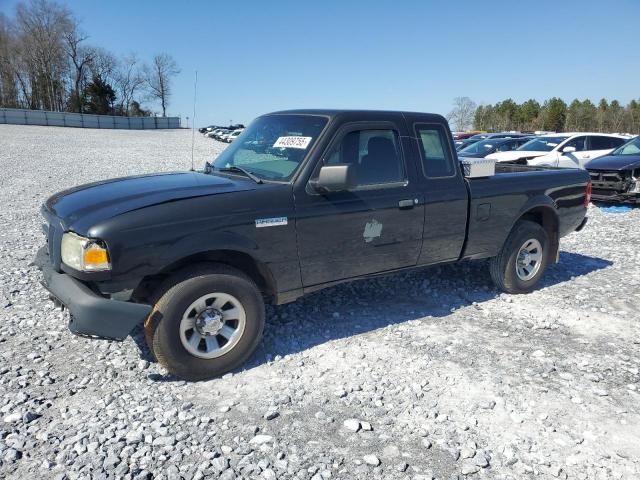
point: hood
(106, 199)
(515, 155)
(614, 162)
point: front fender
(207, 242)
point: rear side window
(605, 143)
(434, 148)
(375, 155)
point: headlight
(84, 254)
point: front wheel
(523, 259)
(206, 323)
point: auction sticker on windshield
(292, 142)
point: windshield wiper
(235, 168)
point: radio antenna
(193, 120)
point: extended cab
(301, 200)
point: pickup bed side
(550, 196)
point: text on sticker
(271, 222)
(292, 142)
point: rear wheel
(523, 259)
(205, 322)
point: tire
(510, 275)
(192, 339)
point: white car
(214, 133)
(566, 150)
(233, 135)
(224, 135)
(211, 133)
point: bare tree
(81, 58)
(463, 113)
(158, 78)
(8, 87)
(40, 27)
(104, 65)
(128, 81)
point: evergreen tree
(100, 96)
(554, 113)
(603, 106)
(528, 114)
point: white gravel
(414, 376)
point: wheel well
(547, 218)
(256, 270)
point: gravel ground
(414, 376)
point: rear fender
(543, 210)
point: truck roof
(331, 112)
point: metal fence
(18, 116)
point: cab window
(374, 155)
(434, 149)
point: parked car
(465, 135)
(616, 177)
(233, 135)
(212, 133)
(223, 135)
(219, 132)
(484, 136)
(566, 150)
(482, 148)
(194, 255)
(460, 144)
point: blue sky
(255, 56)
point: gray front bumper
(91, 314)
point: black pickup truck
(302, 200)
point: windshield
(542, 144)
(483, 147)
(479, 136)
(632, 147)
(273, 146)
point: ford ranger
(302, 200)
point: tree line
(552, 115)
(47, 63)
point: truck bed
(494, 201)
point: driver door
(374, 226)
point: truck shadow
(353, 308)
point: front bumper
(90, 314)
(615, 197)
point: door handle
(586, 156)
(406, 204)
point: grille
(606, 183)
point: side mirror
(334, 178)
(568, 149)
